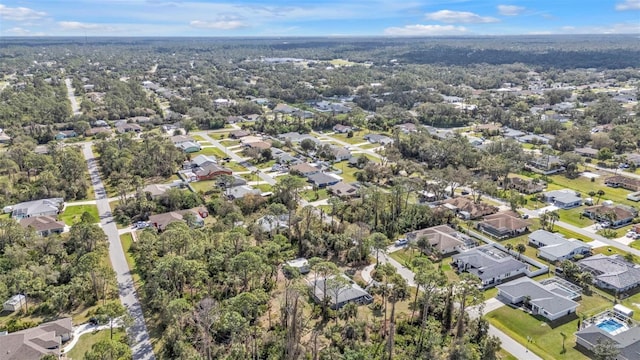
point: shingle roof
(42, 223)
(539, 296)
(612, 270)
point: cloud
(628, 5)
(426, 30)
(218, 25)
(510, 10)
(18, 31)
(76, 25)
(449, 16)
(20, 13)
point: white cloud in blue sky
(305, 17)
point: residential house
(407, 128)
(235, 119)
(490, 264)
(237, 134)
(223, 103)
(546, 164)
(343, 190)
(43, 225)
(253, 117)
(161, 221)
(34, 208)
(189, 147)
(554, 247)
(304, 169)
(246, 140)
(37, 342)
(339, 292)
(65, 134)
(564, 199)
(155, 191)
(269, 223)
(617, 215)
(97, 130)
(632, 158)
(533, 139)
(504, 225)
(634, 196)
(322, 180)
(340, 153)
(512, 133)
(300, 264)
(176, 139)
(283, 157)
(624, 182)
(378, 139)
(126, 128)
(469, 209)
(15, 303)
(342, 129)
(239, 192)
(586, 151)
(549, 302)
(203, 160)
(525, 186)
(260, 145)
(443, 240)
(612, 272)
(296, 137)
(284, 109)
(624, 334)
(210, 171)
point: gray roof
(203, 159)
(488, 262)
(272, 222)
(241, 191)
(547, 238)
(322, 179)
(349, 292)
(563, 196)
(628, 342)
(556, 245)
(612, 270)
(539, 296)
(36, 207)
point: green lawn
(264, 187)
(203, 186)
(406, 256)
(266, 164)
(73, 213)
(369, 146)
(310, 195)
(574, 217)
(234, 166)
(356, 139)
(210, 151)
(547, 341)
(584, 186)
(635, 244)
(88, 340)
(348, 173)
(198, 138)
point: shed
(621, 309)
(15, 303)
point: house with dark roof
(285, 109)
(612, 272)
(554, 247)
(378, 139)
(550, 301)
(161, 221)
(155, 191)
(343, 190)
(623, 182)
(492, 265)
(43, 225)
(210, 171)
(125, 128)
(442, 239)
(525, 186)
(283, 157)
(339, 292)
(586, 151)
(322, 180)
(466, 206)
(504, 225)
(622, 331)
(237, 134)
(43, 207)
(564, 199)
(34, 343)
(65, 134)
(616, 215)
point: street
(140, 341)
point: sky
(316, 18)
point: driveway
(138, 335)
(85, 329)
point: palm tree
(509, 247)
(600, 193)
(553, 217)
(520, 248)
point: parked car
(402, 242)
(140, 225)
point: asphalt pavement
(138, 335)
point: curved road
(140, 341)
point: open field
(310, 195)
(73, 214)
(210, 151)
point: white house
(564, 199)
(554, 247)
(542, 301)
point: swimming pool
(610, 325)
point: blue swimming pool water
(610, 325)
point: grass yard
(266, 165)
(635, 244)
(574, 217)
(504, 355)
(198, 138)
(348, 173)
(584, 186)
(234, 166)
(371, 157)
(88, 340)
(210, 151)
(357, 137)
(368, 146)
(203, 186)
(264, 187)
(406, 256)
(73, 213)
(571, 234)
(547, 341)
(610, 250)
(310, 195)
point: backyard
(88, 340)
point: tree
(600, 194)
(109, 349)
(379, 242)
(605, 349)
(431, 282)
(111, 311)
(467, 292)
(398, 292)
(553, 216)
(308, 145)
(521, 248)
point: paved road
(354, 148)
(72, 98)
(266, 178)
(613, 171)
(141, 344)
